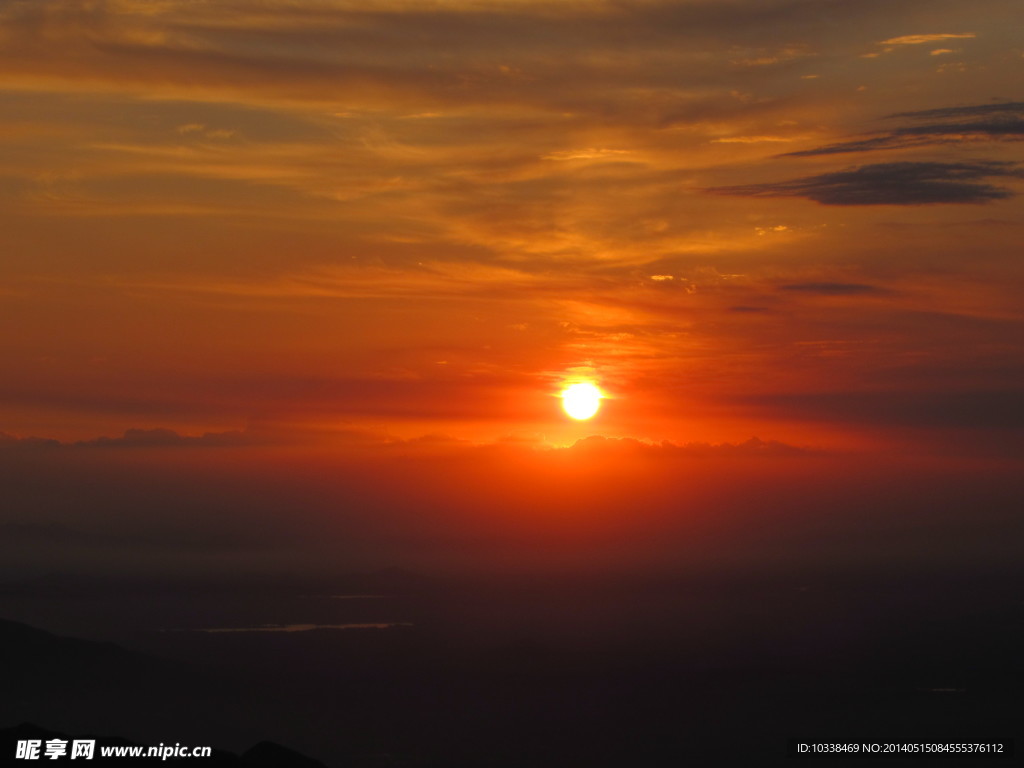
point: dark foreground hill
(84, 687)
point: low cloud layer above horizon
(156, 505)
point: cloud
(626, 62)
(592, 153)
(166, 438)
(602, 500)
(137, 438)
(832, 289)
(764, 57)
(753, 139)
(977, 110)
(10, 442)
(626, 445)
(986, 122)
(921, 39)
(995, 410)
(907, 183)
(33, 535)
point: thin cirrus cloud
(1001, 410)
(906, 183)
(902, 41)
(930, 38)
(337, 51)
(132, 438)
(832, 289)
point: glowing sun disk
(582, 400)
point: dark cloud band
(908, 183)
(986, 122)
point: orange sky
(366, 226)
(791, 219)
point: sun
(582, 400)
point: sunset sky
(305, 237)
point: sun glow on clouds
(920, 39)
